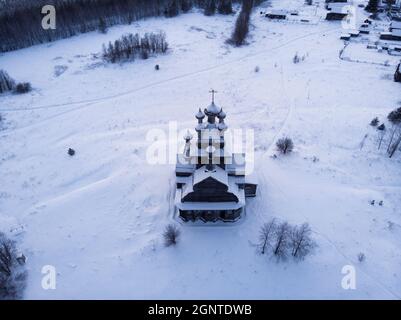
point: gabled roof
(395, 24)
(218, 174)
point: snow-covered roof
(200, 114)
(213, 109)
(216, 173)
(395, 24)
(278, 12)
(396, 32)
(232, 183)
(338, 7)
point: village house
(336, 11)
(211, 180)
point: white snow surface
(98, 217)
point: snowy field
(98, 216)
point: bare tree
(301, 242)
(171, 235)
(12, 272)
(267, 233)
(285, 145)
(282, 234)
(6, 82)
(382, 131)
(395, 118)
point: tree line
(21, 23)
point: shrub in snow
(23, 87)
(285, 145)
(301, 242)
(12, 270)
(382, 127)
(361, 257)
(374, 122)
(157, 67)
(309, 2)
(296, 58)
(395, 116)
(6, 82)
(171, 235)
(257, 69)
(71, 152)
(267, 233)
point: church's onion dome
(221, 115)
(212, 110)
(222, 126)
(188, 136)
(200, 115)
(200, 126)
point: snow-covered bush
(6, 82)
(23, 87)
(71, 152)
(374, 122)
(130, 47)
(257, 69)
(296, 58)
(361, 257)
(12, 270)
(285, 145)
(171, 235)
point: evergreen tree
(210, 8)
(102, 26)
(372, 6)
(225, 7)
(172, 9)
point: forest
(21, 21)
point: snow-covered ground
(98, 216)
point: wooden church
(211, 181)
